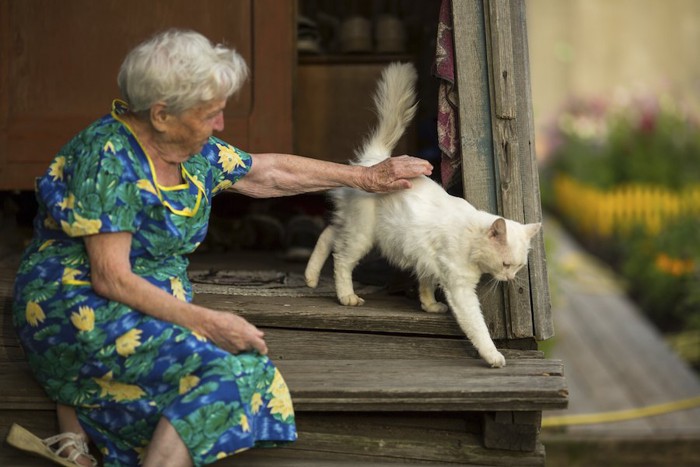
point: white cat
(443, 239)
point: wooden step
(345, 439)
(424, 385)
(381, 313)
(377, 385)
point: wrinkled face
(507, 244)
(190, 130)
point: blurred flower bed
(624, 177)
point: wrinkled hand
(394, 174)
(233, 333)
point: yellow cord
(621, 415)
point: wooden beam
(475, 133)
(506, 144)
(514, 431)
(537, 267)
(499, 170)
(502, 58)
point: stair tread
(429, 385)
(388, 313)
(456, 384)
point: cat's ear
(497, 231)
(532, 229)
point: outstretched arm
(284, 174)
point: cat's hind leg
(426, 293)
(322, 250)
(349, 249)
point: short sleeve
(89, 188)
(229, 164)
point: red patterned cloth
(448, 133)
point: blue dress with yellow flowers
(120, 368)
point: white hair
(180, 68)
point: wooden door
(59, 62)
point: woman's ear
(159, 116)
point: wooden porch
(385, 383)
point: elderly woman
(102, 300)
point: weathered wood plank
(20, 391)
(380, 313)
(537, 268)
(430, 385)
(286, 344)
(385, 385)
(10, 351)
(420, 446)
(506, 144)
(502, 59)
(472, 76)
(515, 431)
(494, 91)
(376, 422)
(7, 279)
(336, 439)
(475, 133)
(452, 438)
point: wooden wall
(59, 62)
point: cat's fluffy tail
(395, 103)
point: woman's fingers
(395, 173)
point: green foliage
(661, 276)
(642, 141)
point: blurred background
(616, 94)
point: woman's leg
(68, 422)
(167, 448)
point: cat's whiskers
(491, 285)
(519, 280)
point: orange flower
(674, 266)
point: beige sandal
(26, 441)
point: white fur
(443, 239)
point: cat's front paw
(436, 307)
(351, 300)
(494, 358)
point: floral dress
(121, 369)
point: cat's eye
(506, 265)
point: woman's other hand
(232, 333)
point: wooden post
(498, 161)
